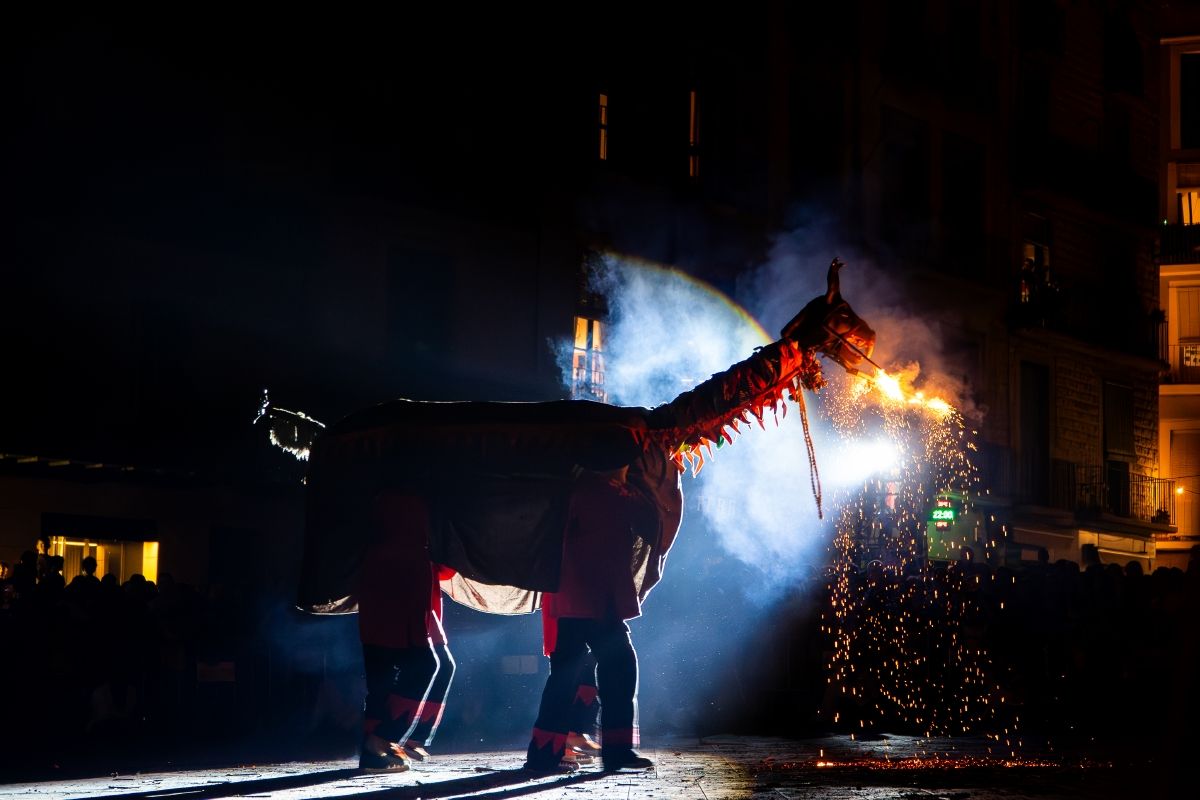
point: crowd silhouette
(1077, 652)
(1083, 652)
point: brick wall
(1145, 428)
(1079, 428)
(1077, 393)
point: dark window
(1033, 106)
(968, 76)
(906, 51)
(1122, 57)
(905, 196)
(1117, 135)
(420, 285)
(1042, 27)
(1035, 433)
(602, 122)
(1118, 446)
(962, 205)
(1116, 480)
(693, 135)
(1189, 100)
(1118, 420)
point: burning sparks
(892, 389)
(904, 652)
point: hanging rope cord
(814, 476)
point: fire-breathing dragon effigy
(496, 477)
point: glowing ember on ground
(930, 762)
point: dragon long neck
(711, 413)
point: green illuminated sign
(942, 515)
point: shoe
(382, 762)
(561, 768)
(380, 755)
(580, 758)
(416, 752)
(630, 760)
(582, 742)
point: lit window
(603, 117)
(587, 361)
(1187, 85)
(1037, 254)
(121, 559)
(1035, 270)
(1035, 275)
(693, 136)
(1189, 208)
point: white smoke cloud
(668, 333)
(910, 338)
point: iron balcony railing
(1115, 491)
(1097, 489)
(1179, 244)
(1057, 483)
(588, 384)
(1184, 361)
(1152, 499)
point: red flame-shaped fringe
(744, 390)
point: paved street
(833, 768)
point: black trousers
(398, 681)
(585, 708)
(435, 703)
(616, 678)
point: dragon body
(497, 476)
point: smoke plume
(667, 332)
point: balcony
(1083, 489)
(1184, 361)
(1179, 244)
(1104, 490)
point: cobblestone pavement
(833, 768)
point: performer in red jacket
(408, 666)
(596, 595)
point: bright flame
(891, 389)
(888, 386)
(938, 405)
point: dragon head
(828, 324)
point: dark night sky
(166, 184)
(171, 182)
